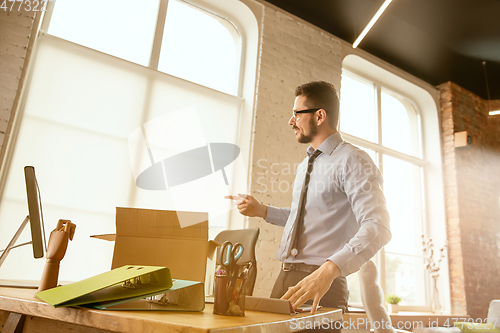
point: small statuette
(294, 252)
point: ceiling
(435, 40)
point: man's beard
(313, 130)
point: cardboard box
(155, 238)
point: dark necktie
(299, 219)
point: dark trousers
(336, 297)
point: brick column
(472, 192)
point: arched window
(174, 37)
(117, 86)
(206, 52)
(385, 120)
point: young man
(338, 219)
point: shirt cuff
(351, 258)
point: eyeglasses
(294, 116)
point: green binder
(130, 287)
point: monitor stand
(14, 240)
(13, 283)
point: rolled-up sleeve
(362, 184)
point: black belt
(301, 267)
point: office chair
(247, 237)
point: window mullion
(47, 15)
(378, 100)
(381, 262)
(383, 150)
(160, 26)
(380, 156)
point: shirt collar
(329, 145)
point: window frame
(424, 125)
(205, 6)
(380, 151)
(244, 19)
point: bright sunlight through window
(387, 135)
(205, 52)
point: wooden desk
(404, 320)
(41, 317)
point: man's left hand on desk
(313, 286)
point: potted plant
(393, 301)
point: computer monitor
(35, 212)
(35, 219)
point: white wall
(292, 52)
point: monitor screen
(35, 212)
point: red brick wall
(472, 192)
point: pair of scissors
(229, 255)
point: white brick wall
(292, 52)
(15, 28)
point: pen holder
(229, 299)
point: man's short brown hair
(323, 95)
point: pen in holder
(229, 299)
